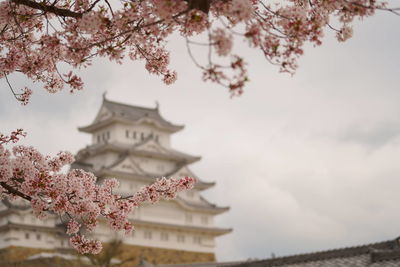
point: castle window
(98, 139)
(127, 133)
(38, 237)
(164, 236)
(141, 136)
(181, 238)
(26, 235)
(105, 136)
(134, 135)
(147, 234)
(197, 239)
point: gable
(149, 122)
(183, 172)
(128, 165)
(103, 114)
(152, 146)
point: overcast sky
(306, 163)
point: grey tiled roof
(131, 113)
(144, 263)
(134, 149)
(382, 254)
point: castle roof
(215, 231)
(373, 254)
(157, 151)
(380, 254)
(111, 112)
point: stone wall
(12, 254)
(17, 256)
(164, 256)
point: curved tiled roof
(376, 252)
(381, 254)
(135, 149)
(129, 113)
(212, 230)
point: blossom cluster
(37, 36)
(26, 173)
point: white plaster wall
(165, 212)
(118, 133)
(4, 239)
(106, 134)
(27, 238)
(156, 166)
(139, 237)
(105, 159)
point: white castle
(132, 144)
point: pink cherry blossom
(73, 227)
(26, 173)
(222, 41)
(37, 37)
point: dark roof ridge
(125, 113)
(325, 254)
(130, 106)
(385, 255)
(83, 153)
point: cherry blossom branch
(13, 137)
(25, 173)
(388, 9)
(13, 191)
(51, 9)
(88, 30)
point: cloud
(306, 163)
(374, 137)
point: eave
(10, 226)
(121, 149)
(188, 159)
(116, 119)
(215, 231)
(103, 173)
(210, 208)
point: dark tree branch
(12, 190)
(203, 5)
(393, 10)
(49, 8)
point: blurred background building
(132, 144)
